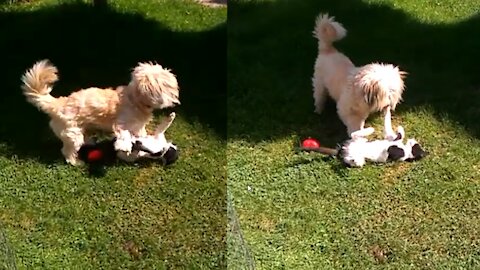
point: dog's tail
(327, 30)
(37, 85)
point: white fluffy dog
(125, 111)
(358, 91)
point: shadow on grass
(272, 52)
(7, 256)
(99, 47)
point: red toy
(98, 155)
(310, 143)
(94, 155)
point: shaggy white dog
(125, 111)
(358, 91)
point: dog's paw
(124, 146)
(74, 161)
(401, 130)
(318, 110)
(390, 136)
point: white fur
(155, 143)
(358, 91)
(357, 150)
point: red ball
(310, 143)
(94, 155)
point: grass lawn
(55, 216)
(305, 211)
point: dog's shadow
(337, 166)
(98, 47)
(100, 171)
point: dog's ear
(417, 152)
(171, 155)
(399, 137)
(373, 94)
(395, 153)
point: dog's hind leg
(64, 134)
(57, 126)
(362, 133)
(388, 132)
(73, 139)
(320, 95)
(165, 124)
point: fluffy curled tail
(37, 85)
(327, 30)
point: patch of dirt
(214, 3)
(380, 254)
(133, 249)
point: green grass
(306, 211)
(55, 216)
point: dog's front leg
(352, 121)
(353, 117)
(388, 132)
(124, 141)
